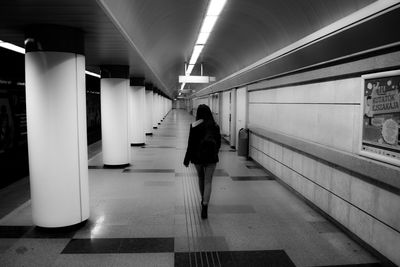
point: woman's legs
(200, 174)
(208, 175)
(205, 173)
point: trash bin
(243, 143)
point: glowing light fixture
(208, 23)
(189, 69)
(21, 50)
(214, 9)
(12, 47)
(203, 37)
(92, 74)
(196, 53)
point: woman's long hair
(204, 113)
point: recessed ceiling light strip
(213, 11)
(21, 50)
(12, 47)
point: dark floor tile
(220, 172)
(355, 265)
(150, 170)
(205, 258)
(159, 183)
(183, 174)
(13, 231)
(95, 245)
(201, 243)
(183, 259)
(270, 258)
(217, 172)
(324, 227)
(95, 167)
(62, 232)
(109, 167)
(253, 167)
(147, 245)
(252, 178)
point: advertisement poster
(381, 116)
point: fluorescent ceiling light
(215, 7)
(189, 70)
(12, 47)
(21, 50)
(196, 53)
(208, 23)
(203, 37)
(92, 74)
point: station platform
(148, 214)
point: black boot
(204, 212)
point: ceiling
(156, 37)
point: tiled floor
(148, 215)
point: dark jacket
(196, 135)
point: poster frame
(370, 154)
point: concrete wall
(225, 114)
(325, 113)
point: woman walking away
(202, 150)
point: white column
(56, 122)
(164, 106)
(154, 113)
(149, 112)
(233, 118)
(137, 112)
(144, 115)
(114, 122)
(159, 110)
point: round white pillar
(158, 113)
(232, 140)
(136, 111)
(164, 107)
(114, 116)
(56, 122)
(149, 110)
(155, 107)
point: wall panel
(327, 114)
(225, 110)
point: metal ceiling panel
(156, 37)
